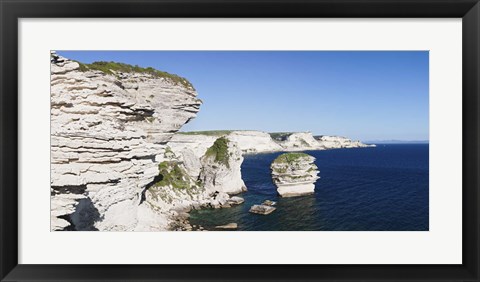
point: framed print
(277, 140)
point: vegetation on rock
(173, 182)
(219, 151)
(293, 168)
(290, 157)
(173, 175)
(113, 67)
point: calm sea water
(382, 188)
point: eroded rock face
(294, 174)
(107, 133)
(190, 149)
(172, 193)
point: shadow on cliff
(156, 179)
(84, 217)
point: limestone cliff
(294, 174)
(300, 141)
(109, 128)
(337, 142)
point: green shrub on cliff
(111, 67)
(284, 162)
(173, 175)
(290, 157)
(219, 151)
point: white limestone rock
(300, 141)
(262, 209)
(294, 174)
(235, 200)
(190, 149)
(106, 133)
(251, 142)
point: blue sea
(361, 189)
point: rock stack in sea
(220, 170)
(294, 174)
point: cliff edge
(110, 123)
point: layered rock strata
(294, 174)
(108, 136)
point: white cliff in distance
(337, 142)
(252, 142)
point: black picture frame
(11, 11)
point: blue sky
(374, 95)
